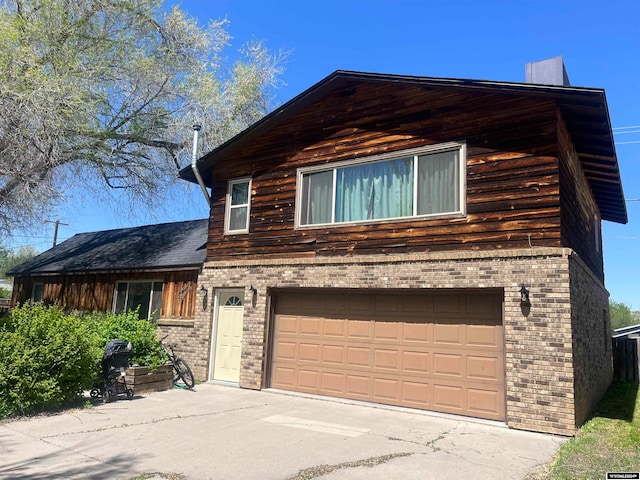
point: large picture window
(237, 214)
(412, 184)
(144, 294)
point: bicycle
(181, 370)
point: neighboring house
(424, 242)
(154, 268)
(6, 284)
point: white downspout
(194, 163)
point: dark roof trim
(151, 271)
(584, 109)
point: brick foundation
(551, 384)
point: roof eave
(569, 98)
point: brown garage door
(435, 351)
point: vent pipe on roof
(194, 163)
(547, 72)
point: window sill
(176, 322)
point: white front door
(228, 332)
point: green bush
(48, 359)
(128, 327)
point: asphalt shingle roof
(165, 245)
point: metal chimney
(547, 72)
(194, 163)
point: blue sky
(487, 40)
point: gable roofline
(174, 246)
(584, 110)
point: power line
(627, 143)
(626, 128)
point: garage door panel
(417, 394)
(448, 334)
(448, 396)
(388, 303)
(482, 368)
(387, 331)
(359, 329)
(448, 303)
(308, 379)
(484, 336)
(358, 357)
(483, 401)
(386, 389)
(387, 359)
(285, 377)
(285, 351)
(416, 362)
(361, 303)
(334, 328)
(358, 386)
(333, 382)
(287, 324)
(309, 352)
(447, 364)
(417, 304)
(417, 332)
(414, 350)
(309, 326)
(334, 354)
(310, 302)
(482, 304)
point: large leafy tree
(621, 315)
(10, 259)
(103, 94)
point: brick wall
(538, 338)
(591, 327)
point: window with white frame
(145, 294)
(237, 206)
(414, 183)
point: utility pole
(55, 230)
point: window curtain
(375, 190)
(317, 192)
(438, 187)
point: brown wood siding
(577, 206)
(512, 196)
(94, 292)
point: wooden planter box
(142, 379)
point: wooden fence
(626, 365)
(5, 303)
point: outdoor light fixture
(254, 290)
(205, 297)
(524, 294)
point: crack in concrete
(320, 470)
(148, 422)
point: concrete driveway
(220, 432)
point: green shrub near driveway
(48, 359)
(128, 327)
